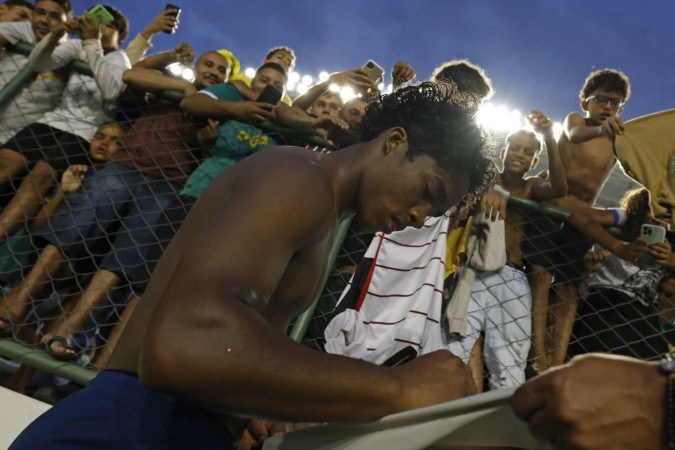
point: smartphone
(176, 10)
(374, 71)
(99, 15)
(270, 95)
(652, 234)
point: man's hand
(357, 79)
(596, 402)
(89, 29)
(72, 178)
(70, 26)
(631, 252)
(401, 73)
(165, 21)
(434, 378)
(611, 127)
(493, 206)
(325, 124)
(661, 253)
(257, 431)
(540, 123)
(252, 112)
(593, 261)
(209, 133)
(183, 54)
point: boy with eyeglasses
(554, 252)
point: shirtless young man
(500, 304)
(588, 157)
(251, 255)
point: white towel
(486, 251)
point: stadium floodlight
(557, 130)
(249, 72)
(290, 85)
(294, 76)
(307, 79)
(323, 75)
(380, 87)
(179, 70)
(334, 87)
(347, 93)
(302, 88)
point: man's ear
(395, 140)
(584, 105)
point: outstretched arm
(556, 185)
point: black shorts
(59, 149)
(559, 249)
(610, 321)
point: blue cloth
(115, 197)
(116, 412)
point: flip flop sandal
(66, 344)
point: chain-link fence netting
(94, 188)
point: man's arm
(577, 131)
(183, 53)
(205, 105)
(588, 221)
(164, 21)
(358, 79)
(148, 80)
(297, 119)
(209, 341)
(556, 185)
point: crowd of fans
(98, 171)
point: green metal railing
(302, 321)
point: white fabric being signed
(483, 421)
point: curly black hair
(608, 79)
(468, 77)
(438, 124)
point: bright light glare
(498, 118)
(323, 75)
(175, 69)
(302, 88)
(249, 72)
(294, 76)
(188, 74)
(557, 130)
(347, 93)
(380, 86)
(307, 79)
(290, 85)
(334, 87)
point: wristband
(620, 215)
(503, 192)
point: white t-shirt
(37, 97)
(87, 102)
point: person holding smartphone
(620, 313)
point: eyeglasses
(603, 99)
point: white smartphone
(652, 234)
(374, 71)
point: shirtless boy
(588, 158)
(207, 339)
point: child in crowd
(500, 301)
(556, 253)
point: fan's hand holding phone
(652, 235)
(270, 95)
